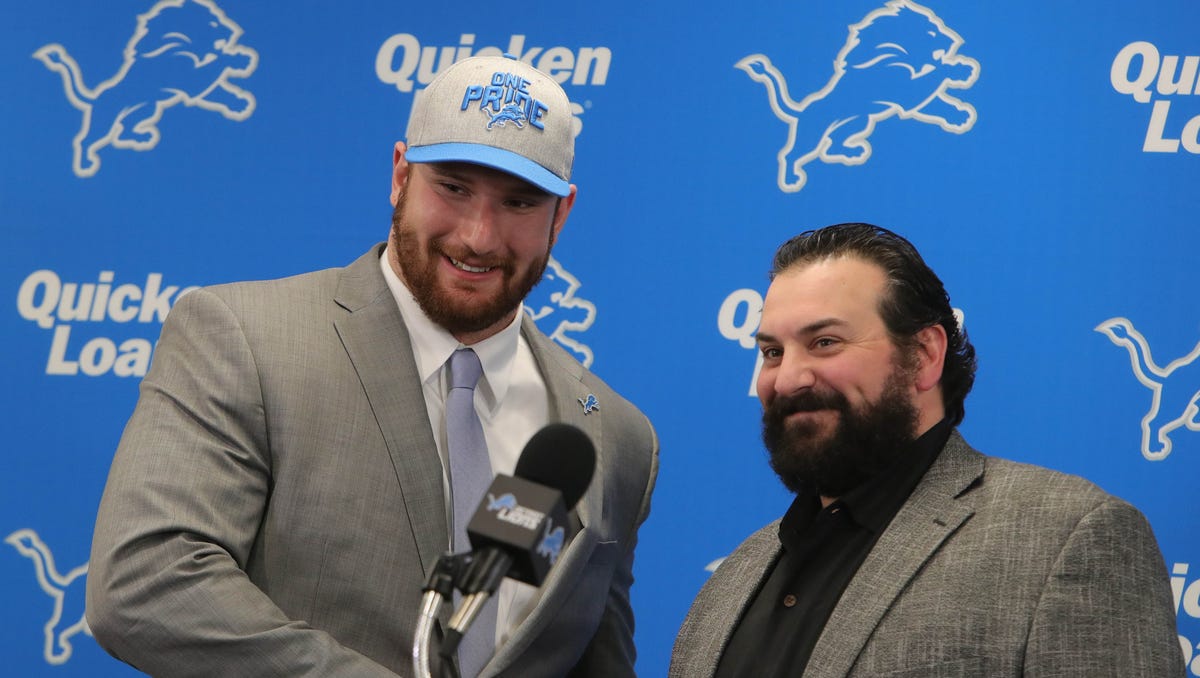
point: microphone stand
(484, 571)
(448, 569)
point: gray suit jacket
(991, 568)
(276, 500)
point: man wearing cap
(284, 485)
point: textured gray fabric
(276, 501)
(991, 568)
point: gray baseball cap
(498, 112)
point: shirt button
(789, 600)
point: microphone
(520, 526)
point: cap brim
(490, 156)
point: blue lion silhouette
(510, 113)
(899, 61)
(589, 404)
(504, 501)
(183, 51)
(552, 543)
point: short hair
(914, 297)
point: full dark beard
(864, 442)
(456, 315)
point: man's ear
(561, 213)
(931, 357)
(399, 171)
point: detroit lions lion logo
(510, 113)
(589, 404)
(899, 61)
(552, 543)
(504, 501)
(559, 313)
(1175, 388)
(182, 52)
(67, 591)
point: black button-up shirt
(822, 550)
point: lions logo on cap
(505, 99)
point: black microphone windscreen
(559, 456)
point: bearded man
(287, 481)
(906, 552)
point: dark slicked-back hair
(913, 299)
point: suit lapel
(702, 641)
(565, 388)
(932, 513)
(377, 343)
(566, 392)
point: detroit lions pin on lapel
(590, 404)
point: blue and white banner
(1044, 157)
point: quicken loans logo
(1187, 610)
(1144, 73)
(404, 62)
(45, 299)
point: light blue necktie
(470, 476)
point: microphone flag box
(526, 520)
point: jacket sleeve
(167, 590)
(1107, 606)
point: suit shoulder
(1041, 487)
(311, 295)
(608, 398)
(603, 391)
(1029, 477)
(320, 284)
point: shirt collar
(874, 503)
(432, 344)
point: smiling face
(821, 332)
(839, 397)
(470, 242)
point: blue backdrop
(1043, 156)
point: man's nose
(480, 232)
(788, 377)
(794, 374)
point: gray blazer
(276, 500)
(991, 568)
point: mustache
(403, 232)
(806, 401)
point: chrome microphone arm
(438, 588)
